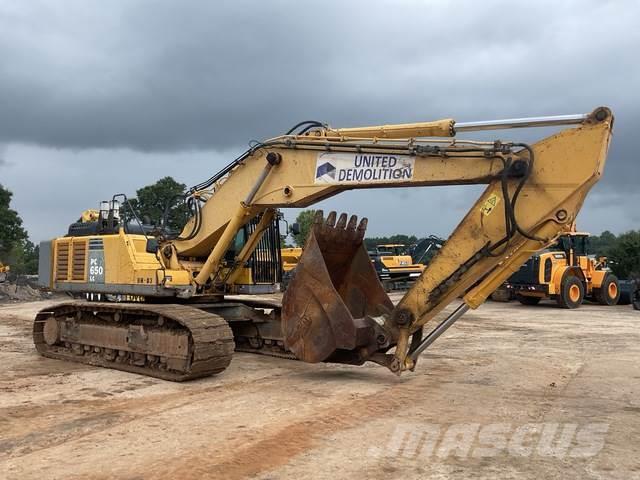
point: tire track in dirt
(74, 422)
(279, 447)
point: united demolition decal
(363, 167)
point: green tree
(283, 241)
(151, 201)
(304, 221)
(399, 238)
(624, 255)
(12, 234)
(24, 258)
(600, 245)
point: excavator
(394, 265)
(425, 249)
(168, 303)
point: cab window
(580, 246)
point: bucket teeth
(362, 228)
(330, 230)
(331, 220)
(353, 222)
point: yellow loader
(566, 273)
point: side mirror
(295, 229)
(152, 245)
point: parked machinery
(566, 273)
(630, 293)
(627, 291)
(394, 264)
(426, 248)
(4, 272)
(290, 258)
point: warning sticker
(490, 203)
(342, 168)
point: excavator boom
(533, 194)
(334, 309)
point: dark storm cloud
(165, 76)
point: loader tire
(609, 292)
(524, 300)
(571, 293)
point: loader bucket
(333, 293)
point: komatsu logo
(342, 168)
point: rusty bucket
(334, 296)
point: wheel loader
(566, 273)
(169, 306)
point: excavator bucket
(334, 293)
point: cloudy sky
(98, 98)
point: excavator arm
(334, 308)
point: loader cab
(575, 246)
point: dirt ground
(505, 364)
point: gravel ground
(509, 391)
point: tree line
(622, 251)
(16, 249)
(305, 222)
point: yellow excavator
(172, 312)
(394, 265)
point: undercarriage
(175, 342)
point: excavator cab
(394, 265)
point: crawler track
(172, 342)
